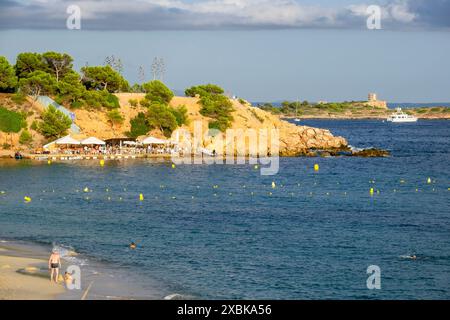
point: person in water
(133, 245)
(54, 264)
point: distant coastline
(354, 110)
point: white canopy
(153, 140)
(68, 140)
(93, 141)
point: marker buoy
(102, 163)
(49, 162)
(274, 185)
(429, 181)
(173, 166)
(27, 199)
(86, 189)
(141, 197)
(316, 167)
(256, 167)
(372, 191)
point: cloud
(214, 14)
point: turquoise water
(312, 237)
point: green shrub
(6, 146)
(139, 126)
(160, 116)
(214, 105)
(115, 117)
(242, 101)
(19, 98)
(101, 99)
(157, 92)
(10, 121)
(8, 78)
(25, 137)
(34, 125)
(55, 123)
(203, 90)
(76, 104)
(133, 102)
(180, 114)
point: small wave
(177, 296)
(355, 149)
(69, 254)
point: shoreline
(24, 275)
(357, 118)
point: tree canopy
(214, 105)
(160, 116)
(8, 78)
(58, 64)
(157, 92)
(10, 121)
(37, 83)
(139, 126)
(103, 78)
(28, 62)
(54, 123)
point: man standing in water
(54, 263)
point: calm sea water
(312, 237)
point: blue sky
(258, 49)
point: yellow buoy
(316, 167)
(274, 185)
(102, 162)
(27, 199)
(141, 197)
(429, 181)
(256, 167)
(173, 165)
(372, 191)
(86, 189)
(49, 162)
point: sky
(261, 50)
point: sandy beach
(23, 276)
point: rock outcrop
(294, 140)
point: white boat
(400, 116)
(297, 120)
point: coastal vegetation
(54, 123)
(8, 78)
(11, 122)
(215, 105)
(345, 110)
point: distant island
(370, 109)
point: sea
(227, 232)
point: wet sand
(23, 276)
